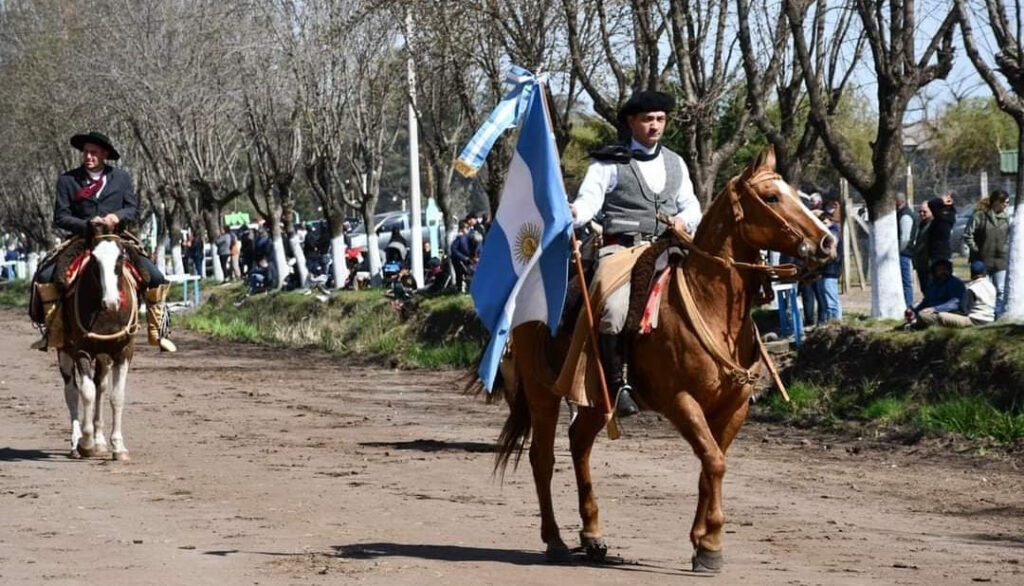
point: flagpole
(605, 398)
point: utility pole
(414, 161)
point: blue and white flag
(506, 114)
(523, 267)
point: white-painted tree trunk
(1015, 268)
(281, 260)
(218, 270)
(177, 262)
(373, 250)
(32, 264)
(300, 261)
(338, 264)
(161, 256)
(886, 282)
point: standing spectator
(247, 254)
(939, 235)
(987, 235)
(10, 256)
(198, 254)
(919, 246)
(829, 308)
(236, 251)
(905, 223)
(463, 251)
(223, 243)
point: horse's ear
(767, 158)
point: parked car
(383, 224)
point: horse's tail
(516, 430)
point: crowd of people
(926, 247)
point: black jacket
(117, 198)
(939, 235)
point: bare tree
(1006, 80)
(772, 69)
(902, 71)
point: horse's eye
(771, 199)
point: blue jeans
(829, 289)
(998, 279)
(790, 320)
(809, 297)
(907, 275)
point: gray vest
(633, 207)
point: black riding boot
(611, 362)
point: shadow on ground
(18, 455)
(429, 445)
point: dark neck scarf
(621, 153)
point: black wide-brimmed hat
(646, 101)
(98, 138)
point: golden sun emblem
(527, 242)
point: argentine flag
(523, 266)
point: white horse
(100, 314)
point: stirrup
(42, 344)
(625, 406)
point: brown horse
(696, 368)
(101, 316)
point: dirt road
(259, 466)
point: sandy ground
(261, 466)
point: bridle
(133, 320)
(736, 188)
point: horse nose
(828, 245)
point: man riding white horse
(97, 195)
(632, 182)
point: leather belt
(627, 240)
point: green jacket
(987, 235)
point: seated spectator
(944, 293)
(977, 309)
(263, 277)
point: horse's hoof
(86, 452)
(558, 553)
(121, 456)
(706, 561)
(74, 455)
(595, 548)
(100, 450)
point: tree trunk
(210, 216)
(372, 244)
(338, 261)
(32, 264)
(300, 259)
(177, 262)
(886, 283)
(1014, 296)
(280, 259)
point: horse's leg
(67, 371)
(119, 374)
(582, 433)
(688, 417)
(87, 393)
(102, 380)
(544, 415)
(724, 430)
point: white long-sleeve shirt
(602, 177)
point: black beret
(646, 101)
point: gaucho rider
(631, 182)
(96, 194)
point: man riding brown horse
(631, 183)
(96, 195)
